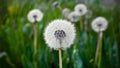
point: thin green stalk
(86, 25)
(35, 38)
(35, 43)
(60, 58)
(98, 54)
(81, 24)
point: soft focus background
(16, 35)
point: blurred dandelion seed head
(73, 17)
(88, 14)
(80, 9)
(65, 12)
(35, 15)
(55, 4)
(99, 24)
(59, 34)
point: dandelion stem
(60, 59)
(35, 38)
(100, 54)
(81, 25)
(86, 25)
(99, 49)
(35, 43)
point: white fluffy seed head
(55, 4)
(35, 15)
(65, 12)
(99, 24)
(88, 14)
(67, 37)
(81, 9)
(73, 17)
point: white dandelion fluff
(55, 4)
(81, 9)
(59, 34)
(73, 17)
(35, 15)
(88, 14)
(99, 24)
(65, 12)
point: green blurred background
(16, 35)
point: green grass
(16, 39)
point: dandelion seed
(65, 12)
(59, 34)
(56, 4)
(88, 14)
(73, 17)
(99, 24)
(35, 15)
(80, 9)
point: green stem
(98, 54)
(81, 24)
(86, 25)
(60, 58)
(35, 43)
(35, 38)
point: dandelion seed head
(73, 17)
(55, 4)
(81, 9)
(65, 12)
(99, 24)
(88, 14)
(35, 15)
(59, 34)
